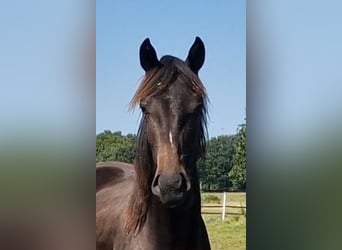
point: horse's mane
(156, 82)
(158, 78)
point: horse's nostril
(155, 185)
(185, 182)
(156, 181)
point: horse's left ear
(196, 55)
(148, 56)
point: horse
(155, 203)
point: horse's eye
(198, 108)
(194, 111)
(143, 106)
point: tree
(237, 174)
(115, 147)
(223, 166)
(215, 166)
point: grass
(230, 234)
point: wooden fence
(230, 209)
(236, 205)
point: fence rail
(220, 206)
(217, 209)
(213, 204)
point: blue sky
(121, 26)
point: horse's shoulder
(112, 172)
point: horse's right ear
(148, 56)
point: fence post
(224, 205)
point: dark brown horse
(156, 204)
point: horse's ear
(196, 55)
(148, 56)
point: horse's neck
(165, 227)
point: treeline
(222, 168)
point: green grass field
(230, 234)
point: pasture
(230, 234)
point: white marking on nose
(170, 139)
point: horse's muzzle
(171, 189)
